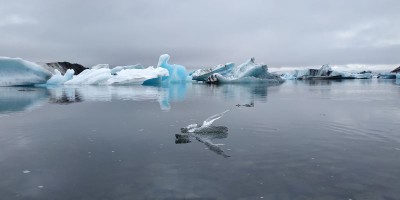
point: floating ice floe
(205, 133)
(248, 72)
(18, 72)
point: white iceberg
(59, 79)
(117, 69)
(248, 72)
(287, 76)
(103, 75)
(18, 72)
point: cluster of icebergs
(327, 73)
(18, 72)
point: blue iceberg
(177, 73)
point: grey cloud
(202, 33)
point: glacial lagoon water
(298, 140)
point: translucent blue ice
(177, 73)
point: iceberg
(18, 72)
(93, 76)
(324, 73)
(117, 69)
(327, 73)
(387, 75)
(58, 79)
(363, 75)
(287, 76)
(398, 76)
(136, 76)
(203, 74)
(177, 73)
(124, 75)
(248, 72)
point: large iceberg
(177, 73)
(17, 72)
(123, 75)
(203, 74)
(248, 72)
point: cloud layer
(202, 33)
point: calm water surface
(301, 140)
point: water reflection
(19, 99)
(245, 95)
(16, 99)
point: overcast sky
(202, 33)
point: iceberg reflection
(19, 99)
(16, 99)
